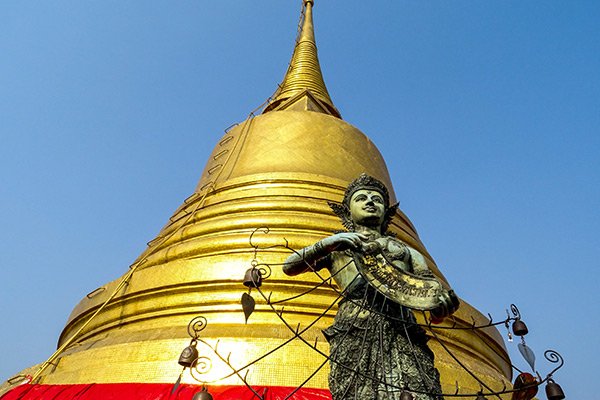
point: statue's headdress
(367, 182)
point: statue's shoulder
(391, 241)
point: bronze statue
(376, 348)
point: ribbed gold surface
(277, 170)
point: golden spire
(303, 87)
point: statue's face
(367, 208)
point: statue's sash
(412, 291)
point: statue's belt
(412, 291)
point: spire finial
(304, 72)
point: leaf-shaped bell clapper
(189, 355)
(527, 354)
(252, 278)
(248, 305)
(519, 328)
(203, 395)
(554, 391)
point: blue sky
(487, 113)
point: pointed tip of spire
(304, 74)
(308, 28)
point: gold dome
(294, 141)
(277, 170)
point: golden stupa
(277, 170)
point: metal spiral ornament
(263, 269)
(196, 325)
(515, 311)
(202, 366)
(264, 230)
(554, 357)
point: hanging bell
(189, 356)
(554, 391)
(525, 387)
(203, 395)
(519, 328)
(252, 278)
(406, 395)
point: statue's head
(366, 202)
(366, 182)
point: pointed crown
(367, 182)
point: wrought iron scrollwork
(196, 325)
(554, 357)
(202, 366)
(260, 271)
(515, 311)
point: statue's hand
(448, 305)
(344, 241)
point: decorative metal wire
(204, 363)
(554, 357)
(515, 311)
(196, 325)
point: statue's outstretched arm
(316, 256)
(307, 259)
